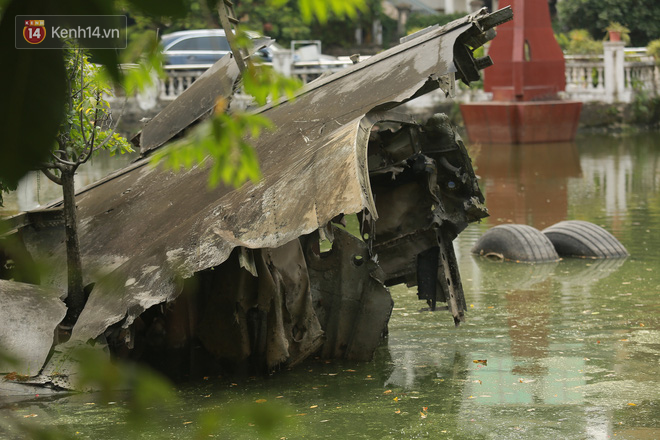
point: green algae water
(568, 350)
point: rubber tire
(516, 243)
(577, 238)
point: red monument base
(521, 122)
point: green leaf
(320, 9)
(159, 8)
(263, 82)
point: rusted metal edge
(476, 19)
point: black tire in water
(577, 238)
(517, 243)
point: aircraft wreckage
(235, 279)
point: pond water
(564, 351)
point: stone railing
(614, 76)
(179, 78)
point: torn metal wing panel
(143, 228)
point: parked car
(201, 46)
(204, 46)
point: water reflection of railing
(611, 175)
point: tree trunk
(75, 299)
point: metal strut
(229, 21)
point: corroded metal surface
(195, 102)
(29, 315)
(350, 300)
(144, 230)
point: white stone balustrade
(615, 76)
(179, 78)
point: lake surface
(567, 350)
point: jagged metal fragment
(29, 315)
(143, 230)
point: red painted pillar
(527, 75)
(529, 64)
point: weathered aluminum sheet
(143, 229)
(29, 315)
(196, 101)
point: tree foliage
(284, 20)
(653, 49)
(419, 21)
(283, 23)
(642, 17)
(5, 188)
(85, 130)
(579, 42)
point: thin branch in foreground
(109, 137)
(64, 162)
(51, 176)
